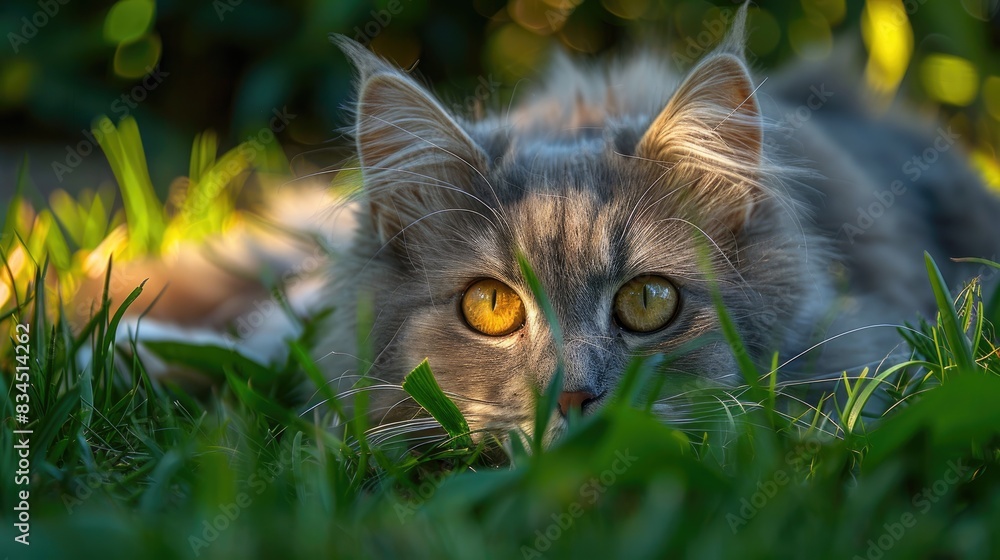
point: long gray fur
(574, 179)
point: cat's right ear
(710, 135)
(417, 162)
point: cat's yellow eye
(646, 303)
(492, 308)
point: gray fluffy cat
(611, 182)
(628, 189)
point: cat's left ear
(417, 162)
(714, 109)
(712, 129)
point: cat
(633, 194)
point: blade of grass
(52, 421)
(546, 404)
(301, 356)
(421, 385)
(123, 148)
(209, 359)
(856, 404)
(957, 341)
(975, 260)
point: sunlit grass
(125, 466)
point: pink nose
(574, 399)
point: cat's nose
(575, 400)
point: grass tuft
(123, 465)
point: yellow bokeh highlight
(949, 79)
(14, 264)
(115, 245)
(991, 96)
(562, 4)
(889, 38)
(988, 168)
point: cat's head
(625, 219)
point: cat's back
(892, 180)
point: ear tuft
(711, 135)
(712, 115)
(416, 160)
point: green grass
(123, 466)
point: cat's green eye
(492, 308)
(646, 303)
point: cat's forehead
(566, 203)
(579, 167)
(567, 232)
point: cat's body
(631, 171)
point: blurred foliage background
(181, 67)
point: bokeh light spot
(982, 9)
(887, 33)
(514, 52)
(949, 79)
(128, 20)
(15, 81)
(626, 9)
(766, 32)
(811, 37)
(540, 17)
(135, 60)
